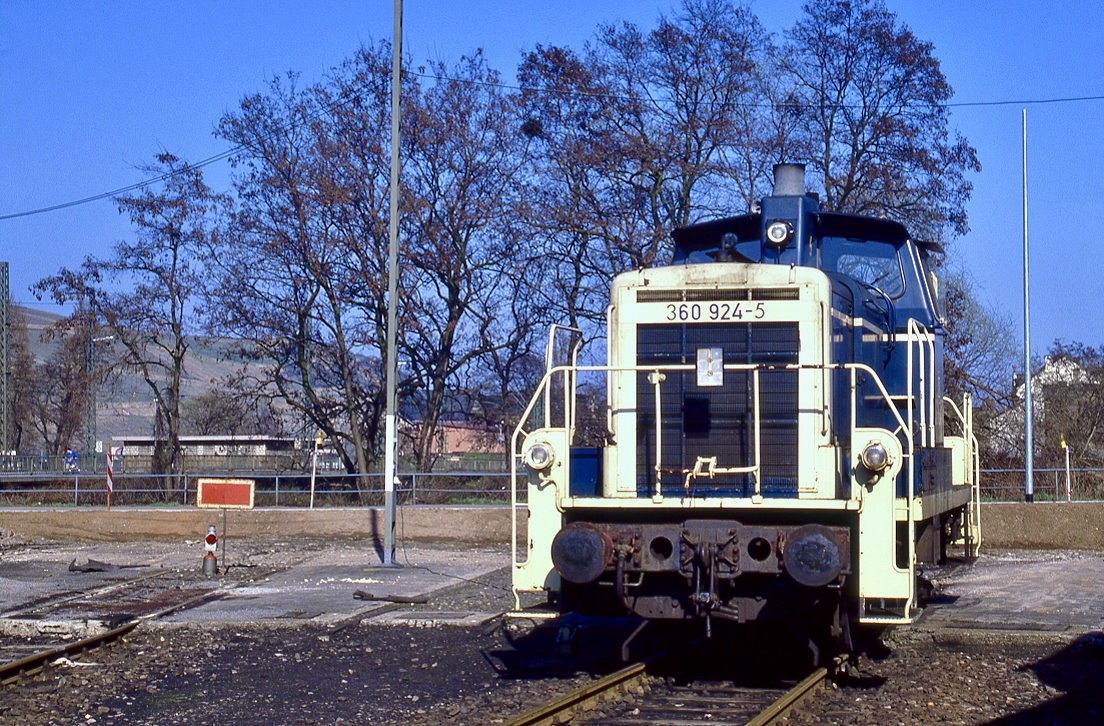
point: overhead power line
(122, 190)
(341, 101)
(492, 84)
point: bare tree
(464, 154)
(222, 411)
(1070, 406)
(277, 282)
(980, 359)
(144, 294)
(980, 345)
(58, 389)
(872, 102)
(641, 133)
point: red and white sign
(225, 493)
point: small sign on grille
(710, 367)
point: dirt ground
(1043, 525)
(475, 525)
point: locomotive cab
(775, 448)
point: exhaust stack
(789, 180)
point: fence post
(76, 490)
(413, 488)
(277, 490)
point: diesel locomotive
(777, 447)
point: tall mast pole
(1029, 448)
(390, 443)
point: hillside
(124, 404)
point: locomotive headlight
(874, 457)
(779, 233)
(539, 456)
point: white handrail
(569, 372)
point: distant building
(461, 437)
(1008, 427)
(212, 453)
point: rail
(758, 706)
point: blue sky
(90, 91)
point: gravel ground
(386, 674)
(1007, 678)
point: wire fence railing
(1048, 484)
(277, 490)
(293, 489)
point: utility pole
(5, 362)
(1029, 444)
(389, 438)
(93, 393)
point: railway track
(633, 696)
(61, 625)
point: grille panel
(718, 421)
(734, 294)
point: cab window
(871, 262)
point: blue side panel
(586, 472)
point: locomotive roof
(828, 224)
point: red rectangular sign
(225, 493)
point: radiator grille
(718, 421)
(734, 294)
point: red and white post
(112, 452)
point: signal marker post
(221, 494)
(113, 452)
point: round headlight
(779, 233)
(874, 457)
(538, 456)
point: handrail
(925, 346)
(570, 374)
(549, 349)
(656, 373)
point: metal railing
(277, 490)
(288, 462)
(1049, 484)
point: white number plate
(722, 312)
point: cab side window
(875, 267)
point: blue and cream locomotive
(775, 446)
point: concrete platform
(1052, 591)
(321, 589)
(317, 586)
(336, 552)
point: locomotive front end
(760, 432)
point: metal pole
(314, 466)
(90, 408)
(93, 394)
(1065, 448)
(389, 441)
(6, 435)
(1029, 450)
